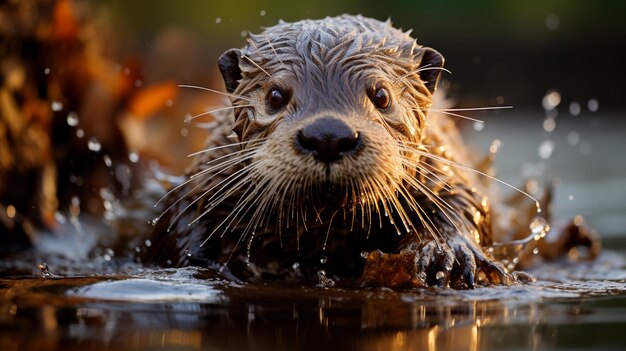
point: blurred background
(515, 49)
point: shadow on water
(582, 306)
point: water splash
(44, 270)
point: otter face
(332, 109)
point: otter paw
(459, 265)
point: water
(88, 302)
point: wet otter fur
(337, 168)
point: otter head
(330, 110)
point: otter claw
(467, 265)
(457, 264)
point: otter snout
(328, 139)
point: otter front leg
(459, 263)
(456, 262)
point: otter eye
(276, 99)
(381, 98)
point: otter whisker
(445, 208)
(249, 201)
(211, 149)
(256, 64)
(227, 181)
(459, 115)
(274, 50)
(484, 108)
(427, 67)
(247, 194)
(191, 118)
(211, 202)
(239, 240)
(234, 96)
(436, 179)
(224, 165)
(330, 223)
(468, 168)
(421, 214)
(254, 219)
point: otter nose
(328, 139)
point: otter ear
(432, 62)
(229, 67)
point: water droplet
(80, 133)
(184, 132)
(11, 211)
(422, 276)
(495, 146)
(137, 249)
(218, 20)
(74, 206)
(574, 108)
(56, 106)
(138, 83)
(535, 251)
(148, 243)
(573, 138)
(169, 103)
(365, 254)
(549, 124)
(593, 105)
(552, 22)
(106, 257)
(538, 225)
(72, 119)
(46, 70)
(439, 275)
(244, 33)
(262, 13)
(570, 197)
(295, 266)
(60, 218)
(478, 126)
(187, 253)
(546, 148)
(107, 160)
(153, 222)
(94, 145)
(133, 156)
(323, 259)
(44, 270)
(551, 100)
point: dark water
(127, 306)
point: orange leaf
(151, 99)
(65, 26)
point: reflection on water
(191, 309)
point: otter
(330, 166)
